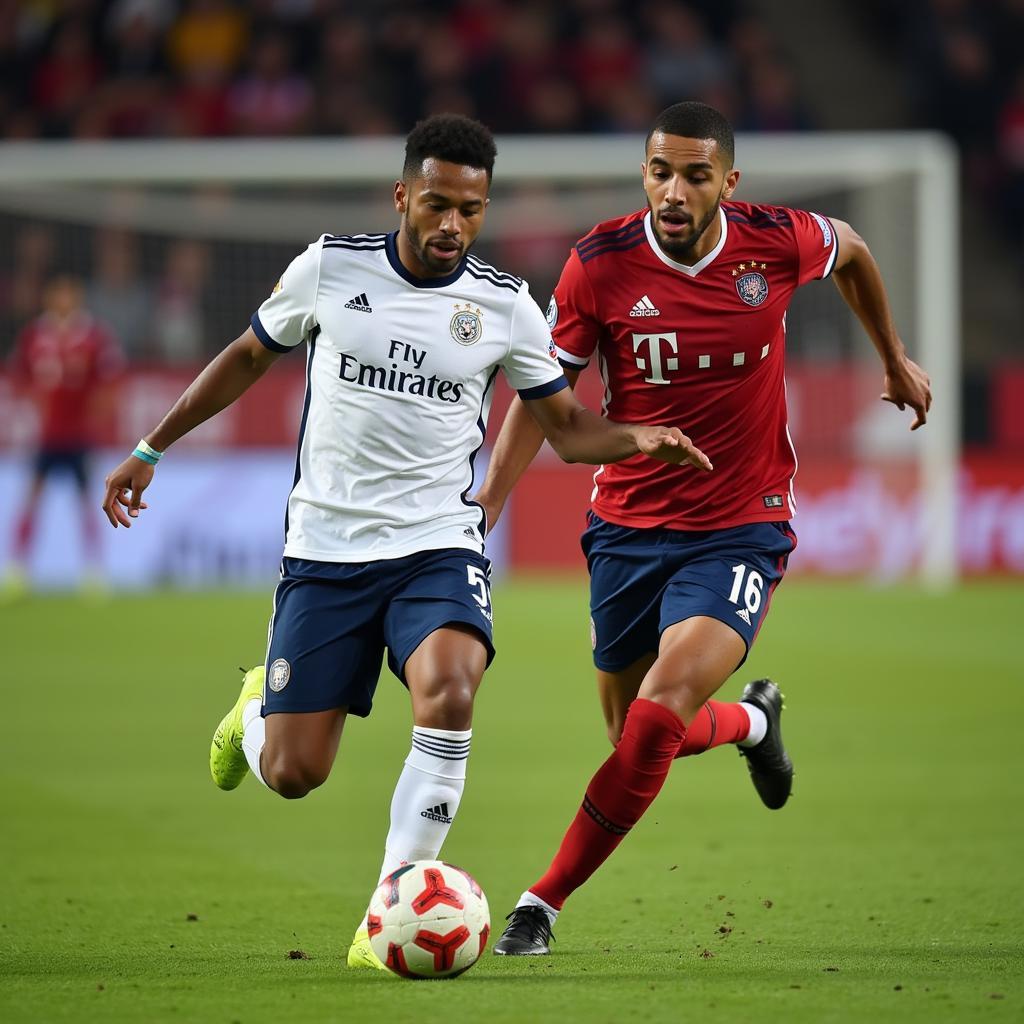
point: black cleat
(771, 770)
(527, 933)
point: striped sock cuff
(447, 745)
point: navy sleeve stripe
(485, 268)
(544, 390)
(601, 237)
(475, 261)
(760, 222)
(491, 275)
(491, 280)
(361, 237)
(355, 246)
(261, 332)
(623, 246)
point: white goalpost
(900, 191)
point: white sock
(426, 797)
(528, 899)
(758, 725)
(254, 735)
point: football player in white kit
(404, 335)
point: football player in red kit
(684, 305)
(62, 360)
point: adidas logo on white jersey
(360, 302)
(644, 307)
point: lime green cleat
(93, 587)
(14, 586)
(228, 765)
(361, 954)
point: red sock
(617, 796)
(716, 723)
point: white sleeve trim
(569, 357)
(828, 229)
(831, 262)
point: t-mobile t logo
(648, 351)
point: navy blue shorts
(62, 460)
(333, 620)
(644, 580)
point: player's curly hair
(693, 120)
(450, 137)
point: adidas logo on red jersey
(644, 307)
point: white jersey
(399, 375)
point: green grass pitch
(890, 888)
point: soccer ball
(428, 919)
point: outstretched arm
(231, 373)
(859, 281)
(577, 435)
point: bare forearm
(586, 437)
(860, 283)
(227, 377)
(517, 446)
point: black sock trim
(714, 727)
(601, 819)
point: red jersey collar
(682, 267)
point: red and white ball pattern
(429, 919)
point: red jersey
(61, 364)
(701, 348)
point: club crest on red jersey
(752, 288)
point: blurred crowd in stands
(965, 63)
(89, 69)
(132, 68)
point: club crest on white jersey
(465, 326)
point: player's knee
(294, 785)
(448, 703)
(684, 698)
(614, 728)
(291, 778)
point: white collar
(693, 271)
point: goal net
(177, 243)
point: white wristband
(147, 453)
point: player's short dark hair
(452, 138)
(693, 120)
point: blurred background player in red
(64, 360)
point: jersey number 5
(478, 578)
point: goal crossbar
(842, 160)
